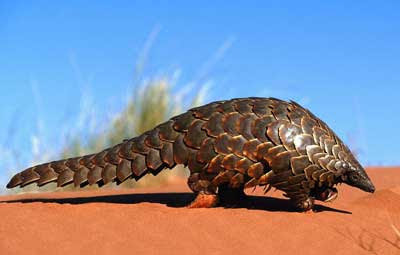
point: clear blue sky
(339, 58)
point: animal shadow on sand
(178, 200)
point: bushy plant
(150, 104)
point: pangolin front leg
(305, 203)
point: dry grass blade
(396, 230)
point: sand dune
(154, 221)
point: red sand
(151, 221)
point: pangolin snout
(371, 188)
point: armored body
(227, 146)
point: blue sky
(341, 59)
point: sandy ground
(154, 221)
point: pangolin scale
(227, 146)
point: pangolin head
(351, 173)
(355, 175)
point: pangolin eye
(354, 177)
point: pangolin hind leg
(206, 192)
(226, 196)
(204, 200)
(208, 195)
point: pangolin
(228, 146)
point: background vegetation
(150, 103)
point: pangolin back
(237, 143)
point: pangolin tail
(150, 152)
